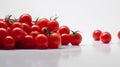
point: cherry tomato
(8, 42)
(3, 24)
(34, 33)
(64, 29)
(75, 38)
(26, 18)
(28, 42)
(43, 22)
(35, 28)
(96, 35)
(18, 33)
(41, 41)
(26, 28)
(3, 33)
(119, 34)
(105, 37)
(65, 39)
(53, 26)
(16, 24)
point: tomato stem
(74, 32)
(36, 20)
(47, 31)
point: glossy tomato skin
(18, 33)
(8, 42)
(96, 35)
(26, 28)
(35, 28)
(3, 24)
(16, 24)
(34, 33)
(65, 39)
(54, 41)
(75, 39)
(64, 30)
(41, 41)
(43, 22)
(26, 18)
(3, 33)
(105, 37)
(118, 35)
(53, 26)
(28, 42)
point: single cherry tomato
(43, 22)
(118, 35)
(96, 35)
(16, 24)
(53, 26)
(26, 18)
(26, 28)
(35, 28)
(3, 33)
(8, 42)
(65, 39)
(18, 33)
(3, 24)
(41, 41)
(75, 38)
(64, 29)
(105, 37)
(28, 42)
(34, 33)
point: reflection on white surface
(36, 58)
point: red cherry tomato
(75, 38)
(8, 42)
(28, 42)
(26, 18)
(18, 33)
(26, 28)
(3, 24)
(43, 22)
(64, 29)
(118, 35)
(65, 39)
(3, 33)
(96, 35)
(16, 24)
(35, 28)
(53, 26)
(34, 33)
(105, 37)
(41, 41)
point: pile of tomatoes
(24, 33)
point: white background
(83, 15)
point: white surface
(83, 15)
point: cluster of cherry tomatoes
(24, 33)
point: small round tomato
(41, 41)
(26, 28)
(8, 42)
(34, 33)
(64, 29)
(18, 33)
(65, 39)
(16, 24)
(118, 35)
(105, 37)
(96, 35)
(28, 42)
(26, 18)
(3, 24)
(43, 22)
(3, 33)
(53, 26)
(35, 28)
(75, 38)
